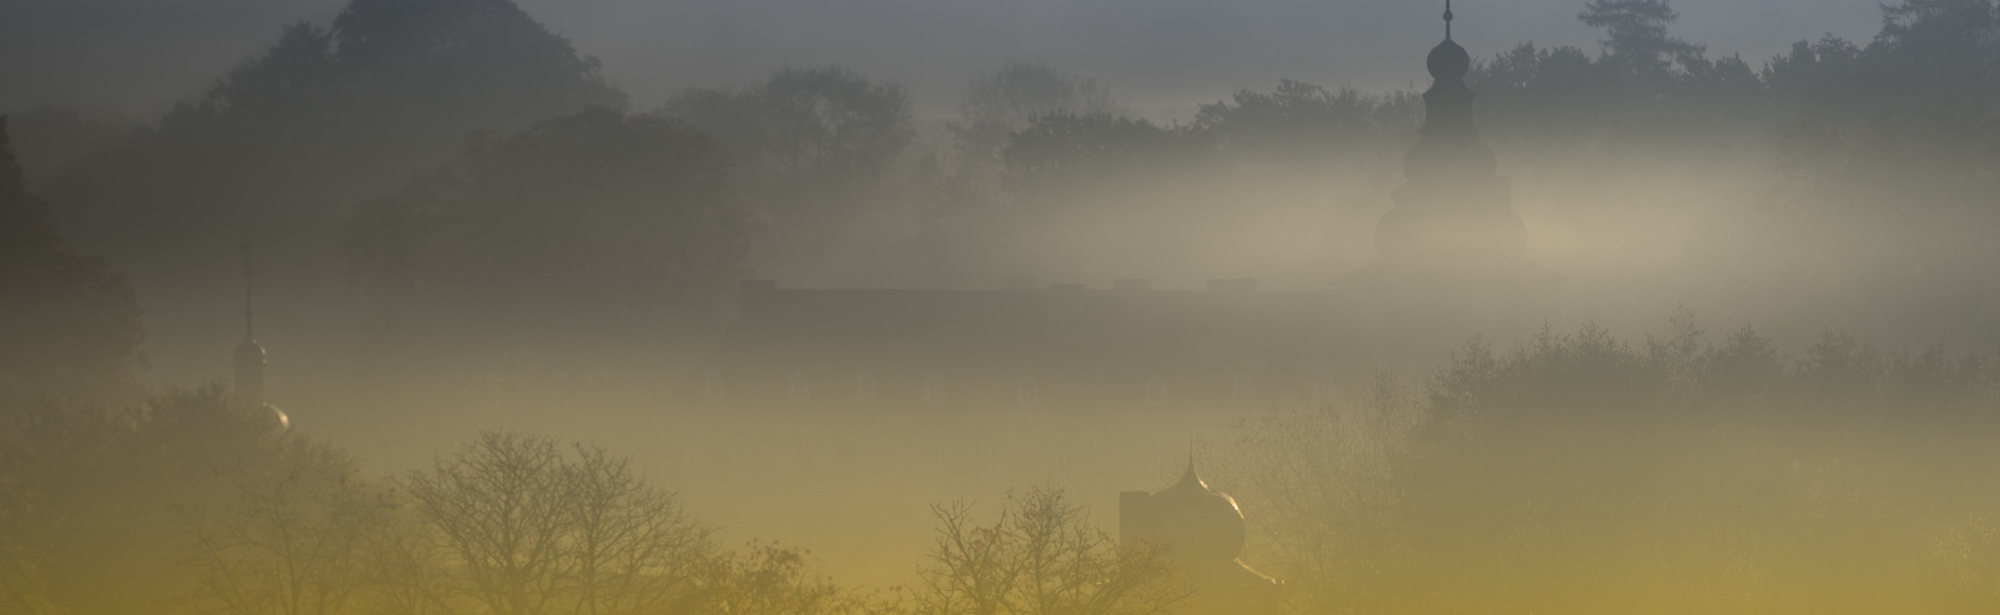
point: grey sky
(136, 56)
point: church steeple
(1447, 20)
(1452, 248)
(1454, 211)
(249, 354)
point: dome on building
(1202, 532)
(1448, 61)
(249, 352)
(1201, 524)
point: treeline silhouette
(392, 96)
(68, 321)
(1578, 472)
(194, 501)
(483, 185)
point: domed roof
(249, 351)
(1191, 486)
(1448, 61)
(1202, 524)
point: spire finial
(1190, 479)
(1447, 20)
(248, 332)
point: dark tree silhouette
(595, 209)
(93, 496)
(1062, 151)
(581, 218)
(68, 323)
(1301, 119)
(327, 115)
(1932, 44)
(813, 145)
(52, 140)
(1006, 99)
(1636, 40)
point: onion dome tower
(249, 363)
(1201, 531)
(1451, 250)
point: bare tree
(531, 530)
(768, 579)
(1041, 557)
(631, 545)
(293, 539)
(1323, 479)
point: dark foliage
(1005, 100)
(68, 322)
(328, 114)
(583, 218)
(1057, 152)
(813, 147)
(1304, 120)
(92, 491)
(1591, 372)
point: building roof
(1054, 331)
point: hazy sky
(136, 56)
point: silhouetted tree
(68, 323)
(534, 530)
(1517, 470)
(1938, 44)
(1325, 483)
(1636, 41)
(96, 499)
(766, 579)
(1005, 100)
(1825, 68)
(327, 115)
(813, 147)
(1062, 152)
(1041, 557)
(301, 535)
(51, 141)
(1304, 120)
(581, 219)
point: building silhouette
(1451, 261)
(1201, 532)
(1063, 348)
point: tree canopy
(813, 145)
(582, 216)
(67, 321)
(328, 114)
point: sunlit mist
(518, 307)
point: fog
(522, 306)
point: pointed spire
(249, 354)
(1191, 479)
(249, 333)
(1447, 20)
